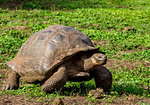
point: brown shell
(46, 49)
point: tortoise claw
(9, 87)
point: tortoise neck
(88, 64)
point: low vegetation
(120, 28)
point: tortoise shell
(45, 50)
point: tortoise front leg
(56, 81)
(103, 78)
(12, 82)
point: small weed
(1, 75)
(67, 4)
(26, 99)
(91, 99)
(109, 98)
(114, 93)
(3, 82)
(39, 99)
(101, 20)
(142, 103)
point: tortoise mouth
(100, 57)
(104, 61)
(98, 62)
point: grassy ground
(121, 28)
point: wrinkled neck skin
(88, 64)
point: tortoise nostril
(102, 57)
(98, 57)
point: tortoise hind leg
(56, 81)
(12, 82)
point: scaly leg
(56, 81)
(12, 82)
(103, 78)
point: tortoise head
(96, 59)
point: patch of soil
(92, 25)
(146, 63)
(11, 4)
(75, 100)
(128, 29)
(127, 51)
(19, 100)
(116, 64)
(130, 100)
(78, 100)
(142, 47)
(19, 28)
(96, 43)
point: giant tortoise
(56, 55)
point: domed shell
(46, 49)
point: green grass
(100, 20)
(74, 4)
